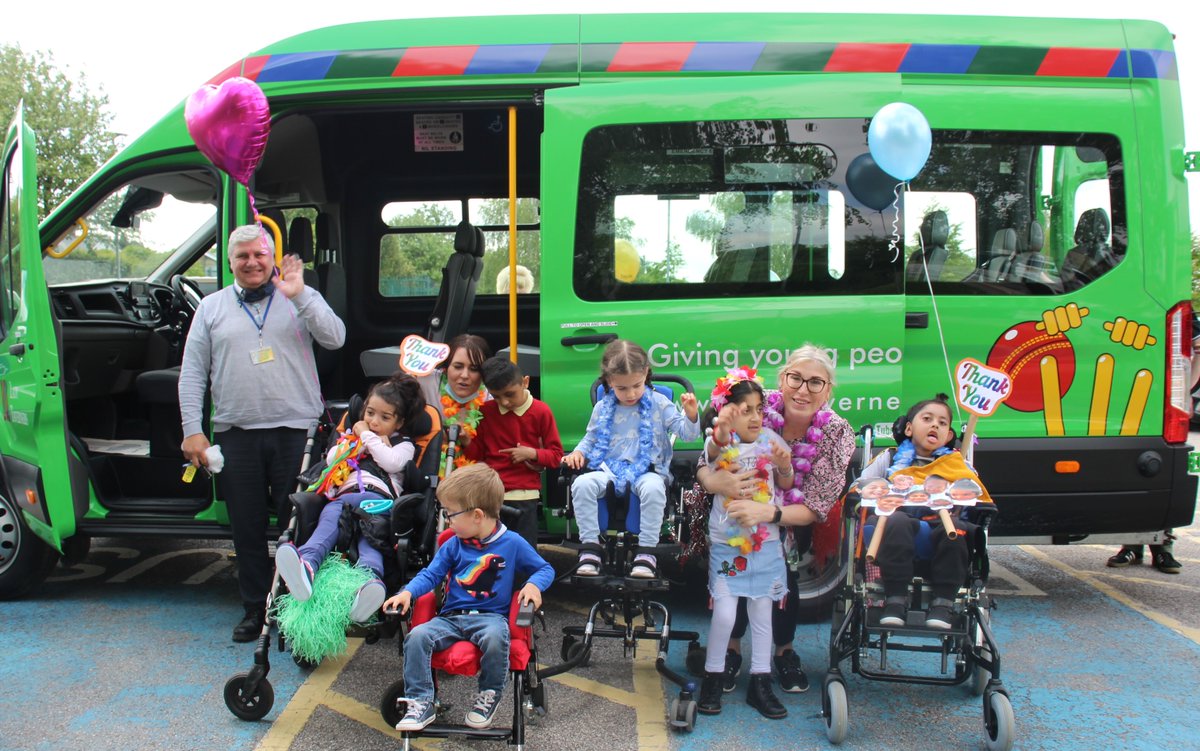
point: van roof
(556, 50)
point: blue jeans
(325, 535)
(488, 631)
(588, 490)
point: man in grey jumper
(253, 341)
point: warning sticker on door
(438, 132)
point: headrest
(935, 229)
(300, 239)
(1092, 227)
(323, 232)
(1035, 238)
(1004, 242)
(468, 239)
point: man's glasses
(795, 381)
(448, 516)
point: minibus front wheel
(25, 560)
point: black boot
(710, 693)
(761, 697)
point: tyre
(538, 701)
(999, 728)
(392, 706)
(837, 722)
(25, 561)
(817, 585)
(248, 706)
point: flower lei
(736, 536)
(624, 471)
(804, 450)
(465, 415)
(906, 454)
(720, 392)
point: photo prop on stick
(980, 389)
(419, 356)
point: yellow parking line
(1157, 581)
(311, 694)
(647, 701)
(1095, 581)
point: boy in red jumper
(518, 438)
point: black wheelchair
(408, 536)
(624, 598)
(968, 650)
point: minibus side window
(420, 239)
(722, 209)
(1015, 213)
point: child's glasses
(795, 381)
(448, 516)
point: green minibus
(694, 183)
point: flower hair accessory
(720, 392)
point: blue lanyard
(254, 320)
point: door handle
(916, 320)
(16, 350)
(571, 341)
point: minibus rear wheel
(25, 561)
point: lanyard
(255, 321)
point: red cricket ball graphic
(1019, 351)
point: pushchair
(968, 650)
(411, 532)
(625, 598)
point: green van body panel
(971, 77)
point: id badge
(261, 355)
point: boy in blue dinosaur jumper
(482, 559)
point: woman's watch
(778, 515)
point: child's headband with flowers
(720, 392)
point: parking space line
(1090, 578)
(1024, 588)
(1158, 582)
(647, 700)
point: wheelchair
(968, 647)
(462, 658)
(411, 532)
(626, 598)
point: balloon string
(937, 317)
(894, 242)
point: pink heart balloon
(230, 124)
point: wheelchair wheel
(392, 706)
(999, 723)
(572, 647)
(837, 720)
(250, 707)
(537, 702)
(682, 715)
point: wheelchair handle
(524, 617)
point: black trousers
(526, 524)
(260, 472)
(896, 557)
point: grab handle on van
(571, 341)
(916, 320)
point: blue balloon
(900, 139)
(871, 186)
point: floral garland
(735, 535)
(344, 462)
(624, 471)
(804, 450)
(906, 454)
(465, 415)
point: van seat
(456, 298)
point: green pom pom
(316, 628)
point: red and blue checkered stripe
(707, 57)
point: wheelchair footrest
(437, 730)
(622, 583)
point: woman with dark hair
(456, 386)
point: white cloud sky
(148, 56)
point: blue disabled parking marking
(1081, 670)
(128, 667)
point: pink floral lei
(804, 450)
